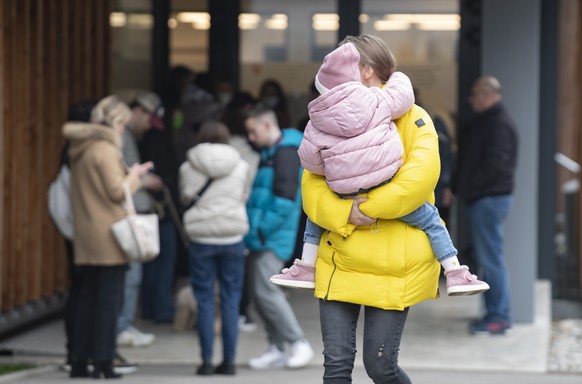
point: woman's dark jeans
(225, 264)
(382, 335)
(99, 304)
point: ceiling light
(248, 21)
(391, 25)
(117, 19)
(193, 17)
(277, 21)
(140, 20)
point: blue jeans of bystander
(157, 299)
(225, 263)
(486, 217)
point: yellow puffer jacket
(389, 265)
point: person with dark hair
(142, 121)
(223, 90)
(178, 79)
(155, 144)
(78, 112)
(272, 96)
(485, 181)
(214, 185)
(313, 94)
(274, 208)
(234, 116)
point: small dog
(187, 309)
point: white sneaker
(133, 337)
(300, 354)
(271, 358)
(246, 325)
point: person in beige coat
(97, 177)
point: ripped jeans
(382, 334)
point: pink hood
(351, 139)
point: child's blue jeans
(426, 218)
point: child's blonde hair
(374, 53)
(111, 111)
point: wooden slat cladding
(569, 140)
(52, 53)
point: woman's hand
(140, 170)
(357, 217)
(152, 182)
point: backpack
(59, 202)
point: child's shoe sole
(467, 290)
(293, 283)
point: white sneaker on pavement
(273, 357)
(300, 354)
(133, 337)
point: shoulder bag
(137, 234)
(59, 202)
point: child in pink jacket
(352, 141)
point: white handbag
(137, 234)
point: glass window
(263, 37)
(189, 28)
(131, 42)
(423, 36)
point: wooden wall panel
(52, 53)
(3, 253)
(569, 140)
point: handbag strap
(129, 205)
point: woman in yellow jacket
(368, 257)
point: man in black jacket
(485, 181)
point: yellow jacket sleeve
(414, 183)
(323, 206)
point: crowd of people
(234, 183)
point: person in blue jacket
(274, 207)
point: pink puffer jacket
(351, 139)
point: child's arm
(400, 94)
(309, 153)
(415, 181)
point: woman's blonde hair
(111, 111)
(374, 53)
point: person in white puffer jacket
(215, 183)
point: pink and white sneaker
(461, 282)
(299, 275)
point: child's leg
(427, 219)
(311, 238)
(459, 280)
(302, 273)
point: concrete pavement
(436, 348)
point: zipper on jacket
(331, 277)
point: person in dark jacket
(157, 284)
(485, 182)
(273, 208)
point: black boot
(79, 369)
(104, 368)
